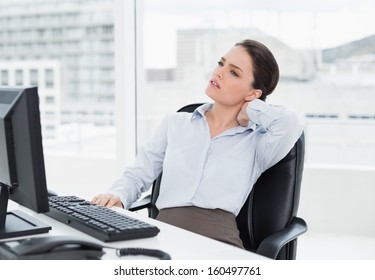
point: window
(73, 42)
(319, 72)
(107, 30)
(19, 77)
(50, 100)
(4, 78)
(34, 77)
(49, 78)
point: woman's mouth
(215, 84)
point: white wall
(339, 200)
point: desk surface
(178, 243)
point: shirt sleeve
(280, 128)
(148, 164)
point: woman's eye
(220, 63)
(234, 73)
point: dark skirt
(214, 223)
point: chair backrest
(272, 203)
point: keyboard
(97, 221)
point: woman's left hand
(242, 117)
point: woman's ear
(253, 94)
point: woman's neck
(221, 118)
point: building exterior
(44, 74)
(76, 34)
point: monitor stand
(17, 223)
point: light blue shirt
(204, 172)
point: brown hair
(265, 67)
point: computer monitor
(22, 172)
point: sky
(300, 24)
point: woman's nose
(219, 74)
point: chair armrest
(271, 246)
(141, 204)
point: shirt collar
(201, 110)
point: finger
(114, 201)
(104, 199)
(96, 199)
(100, 199)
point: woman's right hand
(107, 200)
(243, 118)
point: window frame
(125, 82)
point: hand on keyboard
(107, 200)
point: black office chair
(267, 222)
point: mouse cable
(161, 255)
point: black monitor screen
(22, 172)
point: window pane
(19, 77)
(49, 78)
(66, 48)
(326, 79)
(34, 77)
(4, 77)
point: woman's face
(231, 80)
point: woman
(212, 157)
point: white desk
(178, 243)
